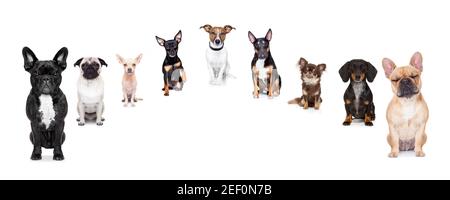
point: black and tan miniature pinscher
(264, 71)
(172, 68)
(358, 97)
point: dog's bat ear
(61, 57)
(178, 36)
(160, 41)
(371, 72)
(78, 63)
(138, 59)
(302, 63)
(102, 62)
(388, 66)
(416, 61)
(269, 35)
(345, 71)
(322, 67)
(120, 59)
(251, 37)
(228, 28)
(207, 27)
(29, 58)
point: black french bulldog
(46, 104)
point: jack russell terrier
(217, 54)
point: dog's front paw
(368, 123)
(346, 123)
(78, 119)
(393, 154)
(81, 123)
(420, 154)
(36, 156)
(58, 157)
(256, 95)
(166, 94)
(100, 123)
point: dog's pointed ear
(160, 41)
(228, 28)
(102, 62)
(138, 58)
(322, 67)
(29, 58)
(269, 35)
(251, 37)
(178, 36)
(416, 61)
(206, 27)
(302, 63)
(78, 63)
(61, 57)
(388, 66)
(371, 72)
(344, 72)
(120, 59)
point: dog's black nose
(358, 77)
(130, 70)
(46, 79)
(405, 81)
(217, 41)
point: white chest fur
(408, 110)
(47, 112)
(216, 59)
(358, 89)
(90, 91)
(311, 81)
(262, 70)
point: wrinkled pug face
(90, 67)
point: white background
(209, 132)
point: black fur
(358, 71)
(45, 80)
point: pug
(90, 90)
(407, 113)
(46, 106)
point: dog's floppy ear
(269, 35)
(29, 58)
(371, 72)
(416, 61)
(302, 63)
(228, 28)
(78, 63)
(322, 67)
(388, 66)
(345, 71)
(178, 36)
(102, 62)
(61, 57)
(160, 41)
(207, 27)
(251, 37)
(138, 59)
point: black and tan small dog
(264, 71)
(358, 97)
(172, 68)
(46, 104)
(311, 90)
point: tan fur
(407, 117)
(215, 32)
(129, 82)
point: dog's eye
(414, 76)
(395, 80)
(134, 65)
(125, 65)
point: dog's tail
(296, 101)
